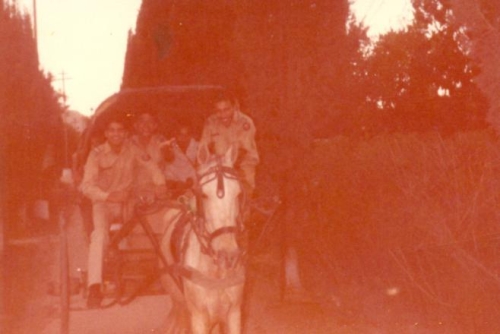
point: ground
(329, 303)
(37, 311)
(355, 310)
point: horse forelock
(213, 161)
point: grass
(416, 211)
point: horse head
(219, 206)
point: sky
(381, 16)
(84, 41)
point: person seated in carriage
(180, 156)
(110, 174)
(148, 183)
(227, 127)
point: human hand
(167, 142)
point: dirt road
(264, 310)
(264, 314)
(356, 310)
(34, 310)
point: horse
(204, 251)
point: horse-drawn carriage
(199, 255)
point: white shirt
(183, 166)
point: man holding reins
(228, 126)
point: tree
(182, 43)
(30, 112)
(283, 58)
(480, 19)
(421, 79)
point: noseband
(216, 173)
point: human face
(145, 126)
(225, 111)
(183, 137)
(115, 134)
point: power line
(63, 79)
(35, 29)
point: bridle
(217, 173)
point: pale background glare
(86, 39)
(382, 16)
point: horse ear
(231, 154)
(203, 154)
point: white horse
(204, 253)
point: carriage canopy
(172, 105)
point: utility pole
(63, 79)
(35, 29)
(63, 225)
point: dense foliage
(420, 79)
(480, 20)
(30, 112)
(414, 212)
(298, 72)
(284, 59)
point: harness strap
(178, 236)
(181, 220)
(227, 172)
(201, 279)
(221, 231)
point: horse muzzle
(228, 260)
